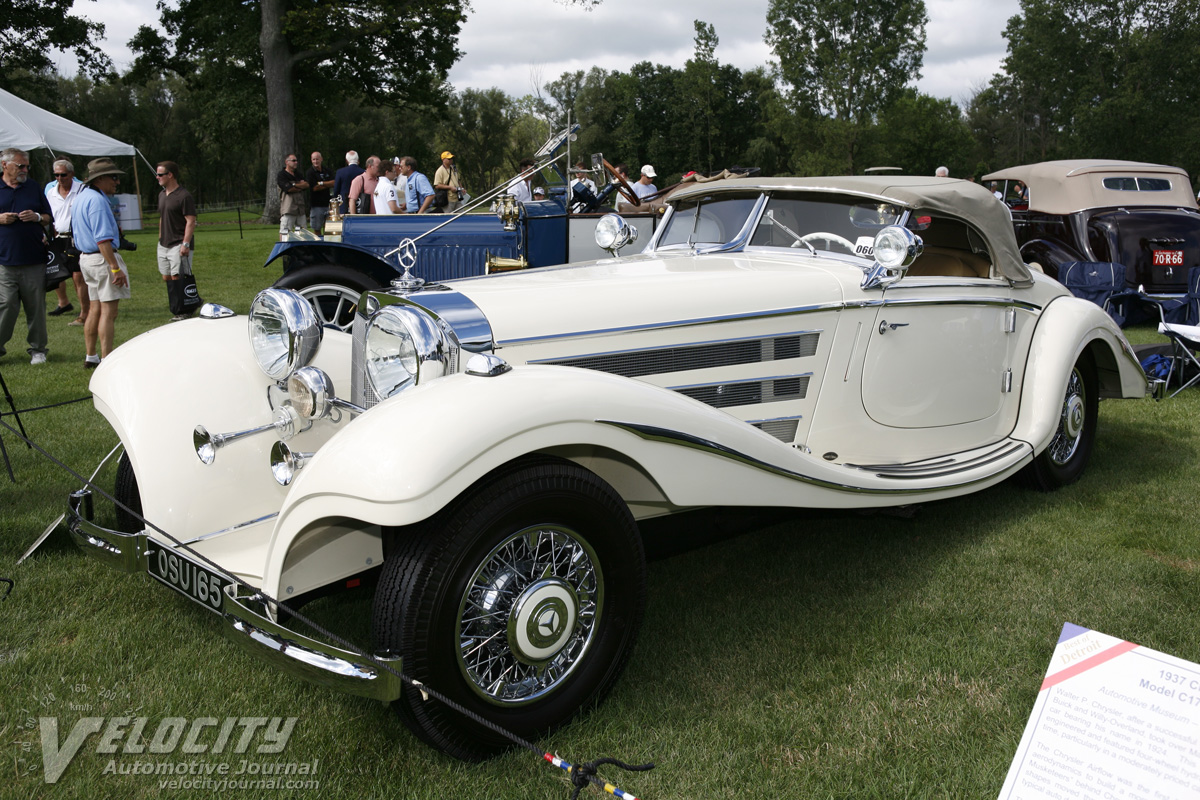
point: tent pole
(137, 185)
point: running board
(1000, 456)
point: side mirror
(895, 249)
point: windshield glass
(823, 223)
(707, 220)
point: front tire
(333, 292)
(1063, 460)
(521, 601)
(125, 490)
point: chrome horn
(285, 462)
(207, 444)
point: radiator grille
(748, 393)
(636, 364)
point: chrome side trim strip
(666, 436)
(774, 419)
(738, 381)
(700, 343)
(782, 312)
(682, 323)
(231, 528)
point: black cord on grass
(580, 775)
(42, 408)
(7, 591)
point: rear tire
(1063, 460)
(521, 602)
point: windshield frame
(741, 241)
(736, 242)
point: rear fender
(1067, 328)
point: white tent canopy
(24, 125)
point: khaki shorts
(172, 262)
(99, 279)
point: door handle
(884, 325)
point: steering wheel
(622, 185)
(829, 237)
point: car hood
(650, 292)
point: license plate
(186, 576)
(1168, 258)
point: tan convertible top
(1064, 187)
(946, 197)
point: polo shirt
(21, 242)
(60, 206)
(92, 221)
(417, 190)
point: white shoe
(38, 358)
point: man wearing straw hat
(95, 230)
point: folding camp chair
(1193, 297)
(1185, 339)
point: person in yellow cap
(446, 180)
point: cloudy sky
(514, 44)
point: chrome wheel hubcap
(1070, 426)
(529, 614)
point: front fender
(411, 456)
(1067, 328)
(156, 388)
(298, 255)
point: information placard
(1112, 720)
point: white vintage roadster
(484, 449)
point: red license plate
(1168, 258)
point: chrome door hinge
(1010, 320)
(1006, 381)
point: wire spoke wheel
(1067, 453)
(1066, 439)
(520, 601)
(529, 614)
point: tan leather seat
(950, 262)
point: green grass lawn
(820, 655)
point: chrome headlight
(405, 347)
(897, 247)
(613, 233)
(284, 332)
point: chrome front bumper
(247, 625)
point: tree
(700, 75)
(847, 58)
(394, 52)
(1133, 91)
(31, 29)
(919, 133)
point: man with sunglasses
(23, 211)
(61, 193)
(176, 227)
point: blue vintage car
(361, 252)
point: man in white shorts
(95, 230)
